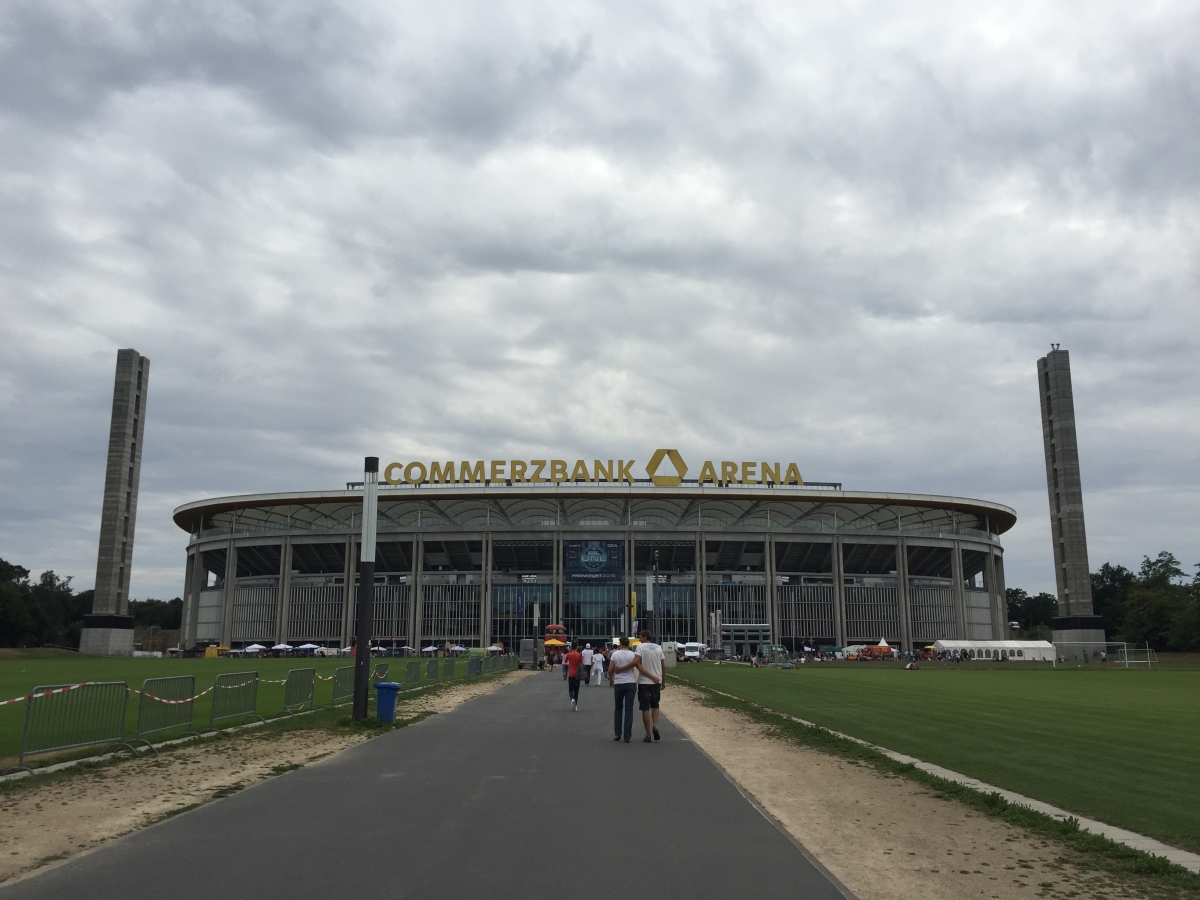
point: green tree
(1031, 613)
(1110, 594)
(164, 614)
(36, 613)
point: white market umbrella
(350, 647)
(457, 647)
(253, 648)
(310, 647)
(430, 649)
(493, 647)
(282, 647)
(406, 647)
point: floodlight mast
(366, 588)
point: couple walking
(638, 671)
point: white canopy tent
(254, 648)
(283, 647)
(309, 647)
(1013, 651)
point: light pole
(366, 588)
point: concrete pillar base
(1075, 634)
(107, 635)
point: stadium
(491, 554)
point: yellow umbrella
(553, 642)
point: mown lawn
(1121, 746)
(22, 671)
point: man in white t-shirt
(622, 675)
(652, 678)
(587, 664)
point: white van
(693, 651)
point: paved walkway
(511, 795)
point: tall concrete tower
(1075, 626)
(108, 631)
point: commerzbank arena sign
(666, 468)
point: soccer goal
(1119, 654)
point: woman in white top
(597, 668)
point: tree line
(46, 612)
(1155, 605)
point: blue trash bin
(385, 701)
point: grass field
(22, 670)
(1121, 746)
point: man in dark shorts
(652, 677)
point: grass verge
(1154, 874)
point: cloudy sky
(839, 235)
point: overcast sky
(835, 235)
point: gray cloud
(839, 236)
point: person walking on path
(587, 664)
(652, 677)
(623, 678)
(597, 668)
(573, 662)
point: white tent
(282, 647)
(254, 648)
(1013, 651)
(309, 647)
(432, 648)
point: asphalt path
(511, 795)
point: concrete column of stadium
(414, 616)
(839, 593)
(960, 594)
(906, 638)
(1076, 623)
(769, 579)
(108, 629)
(349, 567)
(284, 610)
(229, 588)
(485, 630)
(701, 602)
(192, 596)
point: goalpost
(1117, 653)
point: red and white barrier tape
(177, 702)
(61, 690)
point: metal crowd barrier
(234, 694)
(343, 685)
(299, 691)
(431, 670)
(60, 717)
(380, 672)
(412, 673)
(165, 704)
(448, 667)
(474, 666)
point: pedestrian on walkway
(563, 659)
(574, 662)
(652, 676)
(587, 664)
(598, 668)
(623, 678)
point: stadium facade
(472, 554)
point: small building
(1013, 651)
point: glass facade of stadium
(472, 564)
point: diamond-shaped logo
(666, 480)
